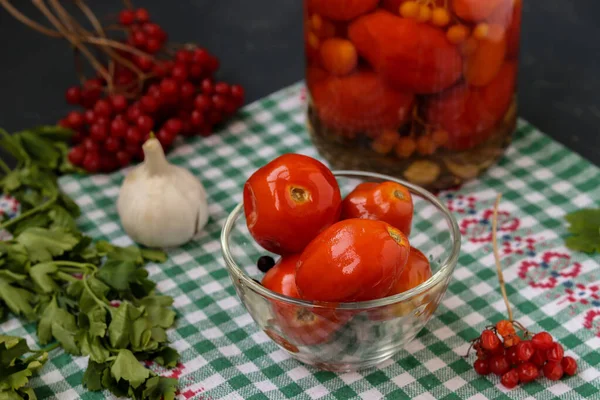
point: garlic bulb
(161, 205)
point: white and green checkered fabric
(225, 356)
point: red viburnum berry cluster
(501, 351)
(179, 95)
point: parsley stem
(49, 348)
(96, 299)
(66, 277)
(29, 213)
(75, 266)
(5, 167)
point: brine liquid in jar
(420, 89)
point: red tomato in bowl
(353, 260)
(289, 201)
(388, 201)
(301, 325)
(416, 271)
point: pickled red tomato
(341, 10)
(485, 63)
(410, 55)
(468, 113)
(513, 34)
(394, 5)
(478, 10)
(360, 101)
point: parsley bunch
(92, 299)
(585, 230)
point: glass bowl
(347, 336)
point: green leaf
(54, 133)
(18, 379)
(16, 299)
(585, 230)
(119, 389)
(130, 253)
(157, 256)
(11, 348)
(43, 244)
(66, 339)
(61, 218)
(127, 367)
(58, 323)
(12, 145)
(140, 335)
(11, 181)
(40, 274)
(92, 346)
(39, 149)
(68, 204)
(159, 387)
(15, 255)
(87, 301)
(119, 330)
(92, 378)
(13, 395)
(167, 357)
(94, 321)
(117, 274)
(37, 220)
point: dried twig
(497, 257)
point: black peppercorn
(265, 263)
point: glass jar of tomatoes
(423, 89)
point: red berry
(153, 90)
(511, 353)
(207, 86)
(179, 72)
(91, 162)
(197, 118)
(90, 94)
(169, 87)
(148, 104)
(119, 102)
(103, 108)
(89, 145)
(142, 15)
(139, 39)
(126, 17)
(220, 103)
(145, 63)
(215, 117)
(553, 370)
(153, 45)
(569, 365)
(173, 126)
(510, 379)
(76, 155)
(187, 90)
(145, 123)
(213, 64)
(162, 68)
(556, 353)
(524, 350)
(183, 56)
(527, 372)
(482, 367)
(222, 88)
(75, 120)
(165, 137)
(133, 113)
(200, 56)
(202, 102)
(152, 29)
(73, 95)
(542, 341)
(133, 150)
(195, 71)
(123, 158)
(112, 144)
(133, 136)
(98, 132)
(108, 162)
(118, 127)
(89, 116)
(539, 357)
(77, 137)
(231, 107)
(499, 365)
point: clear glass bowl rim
(446, 268)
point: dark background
(260, 46)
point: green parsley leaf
(40, 274)
(119, 389)
(158, 388)
(39, 149)
(121, 325)
(94, 321)
(43, 244)
(118, 274)
(92, 346)
(58, 323)
(116, 253)
(157, 256)
(92, 378)
(15, 255)
(11, 348)
(61, 218)
(167, 357)
(16, 299)
(55, 133)
(158, 310)
(15, 379)
(128, 368)
(585, 230)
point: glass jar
(423, 90)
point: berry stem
(497, 257)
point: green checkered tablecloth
(225, 356)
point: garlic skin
(161, 205)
